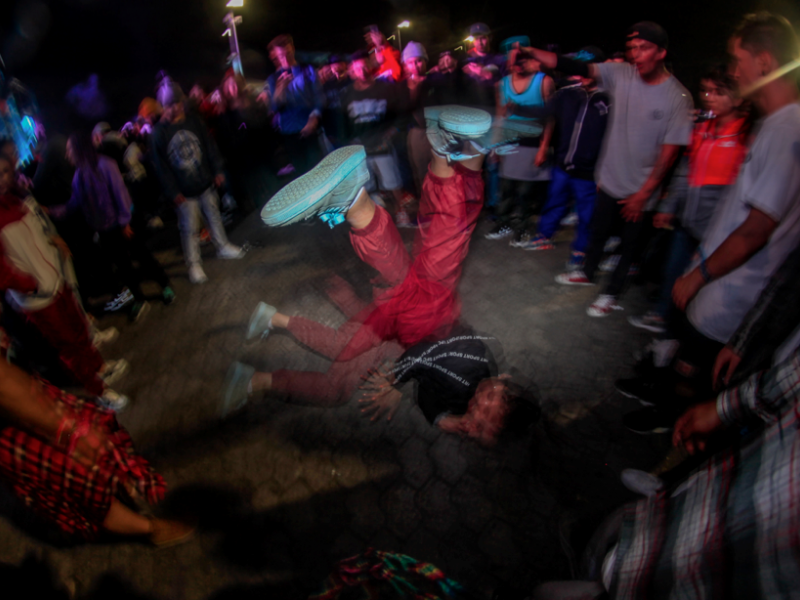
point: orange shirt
(715, 157)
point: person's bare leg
(361, 213)
(123, 521)
(261, 382)
(280, 321)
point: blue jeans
(189, 224)
(681, 250)
(562, 187)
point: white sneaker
(641, 482)
(230, 251)
(197, 275)
(114, 370)
(113, 400)
(106, 336)
(603, 306)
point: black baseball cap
(479, 29)
(649, 32)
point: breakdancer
(411, 328)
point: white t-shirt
(642, 118)
(769, 181)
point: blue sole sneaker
(260, 321)
(234, 390)
(327, 191)
(449, 126)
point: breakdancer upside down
(418, 313)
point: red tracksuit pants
(421, 303)
(63, 324)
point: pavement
(283, 491)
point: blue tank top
(530, 97)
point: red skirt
(64, 491)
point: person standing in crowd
(386, 56)
(649, 122)
(333, 117)
(481, 70)
(190, 168)
(372, 109)
(443, 81)
(415, 67)
(295, 96)
(524, 173)
(753, 229)
(99, 192)
(579, 114)
(36, 274)
(110, 143)
(709, 167)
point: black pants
(122, 252)
(529, 196)
(606, 220)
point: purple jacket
(101, 195)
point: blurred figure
(109, 143)
(372, 110)
(709, 167)
(524, 173)
(579, 115)
(295, 96)
(99, 192)
(385, 55)
(74, 465)
(333, 117)
(150, 110)
(417, 89)
(37, 275)
(647, 99)
(443, 81)
(190, 169)
(481, 70)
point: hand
(283, 82)
(632, 206)
(382, 402)
(663, 220)
(473, 70)
(127, 232)
(219, 180)
(727, 362)
(263, 97)
(179, 199)
(686, 288)
(310, 127)
(695, 426)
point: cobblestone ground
(283, 491)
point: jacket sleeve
(61, 211)
(14, 279)
(161, 165)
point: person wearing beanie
(190, 169)
(417, 96)
(649, 122)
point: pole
(236, 60)
(399, 39)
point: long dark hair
(83, 150)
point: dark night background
(53, 44)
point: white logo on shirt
(367, 111)
(184, 151)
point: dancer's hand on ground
(696, 425)
(725, 366)
(382, 402)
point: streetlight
(469, 39)
(403, 25)
(232, 21)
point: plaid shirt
(733, 529)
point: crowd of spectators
(611, 145)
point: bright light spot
(404, 25)
(235, 3)
(469, 39)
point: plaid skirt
(75, 497)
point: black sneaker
(650, 421)
(647, 390)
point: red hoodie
(715, 158)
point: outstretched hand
(381, 397)
(696, 425)
(725, 366)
